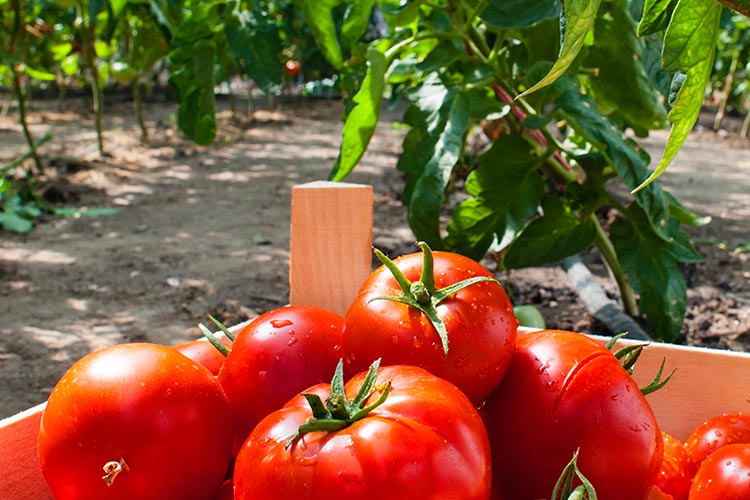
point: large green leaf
(355, 22)
(440, 117)
(622, 83)
(505, 190)
(519, 13)
(559, 233)
(577, 20)
(319, 17)
(689, 46)
(652, 268)
(363, 118)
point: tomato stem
(113, 469)
(338, 412)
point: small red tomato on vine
(292, 68)
(438, 310)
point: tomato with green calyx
(716, 432)
(438, 310)
(724, 474)
(205, 353)
(399, 433)
(274, 357)
(135, 421)
(563, 392)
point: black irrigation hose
(598, 304)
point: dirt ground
(206, 230)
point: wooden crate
(331, 236)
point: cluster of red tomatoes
(712, 464)
(443, 401)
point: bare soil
(206, 230)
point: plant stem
(727, 90)
(22, 118)
(138, 103)
(741, 6)
(607, 250)
(98, 96)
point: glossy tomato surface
(145, 410)
(716, 432)
(276, 356)
(426, 441)
(565, 391)
(724, 474)
(479, 320)
(676, 471)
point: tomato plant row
(451, 403)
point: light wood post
(330, 243)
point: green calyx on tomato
(628, 356)
(211, 336)
(338, 412)
(423, 294)
(564, 487)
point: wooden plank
(331, 243)
(20, 475)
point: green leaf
(15, 224)
(519, 13)
(505, 192)
(39, 74)
(689, 46)
(319, 17)
(623, 154)
(196, 115)
(355, 22)
(442, 118)
(579, 17)
(559, 233)
(255, 43)
(622, 83)
(653, 271)
(363, 118)
(656, 16)
(76, 212)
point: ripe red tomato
(676, 472)
(478, 319)
(425, 440)
(203, 352)
(724, 474)
(292, 67)
(717, 432)
(274, 357)
(565, 392)
(656, 493)
(135, 421)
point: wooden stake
(331, 243)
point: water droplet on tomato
(336, 347)
(394, 339)
(614, 397)
(280, 323)
(262, 375)
(416, 342)
(550, 385)
(460, 362)
(712, 444)
(292, 341)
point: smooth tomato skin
(425, 441)
(716, 432)
(676, 472)
(276, 356)
(203, 352)
(161, 412)
(564, 391)
(724, 474)
(479, 319)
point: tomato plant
(724, 474)
(398, 433)
(292, 68)
(441, 311)
(563, 392)
(676, 472)
(135, 421)
(717, 432)
(274, 357)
